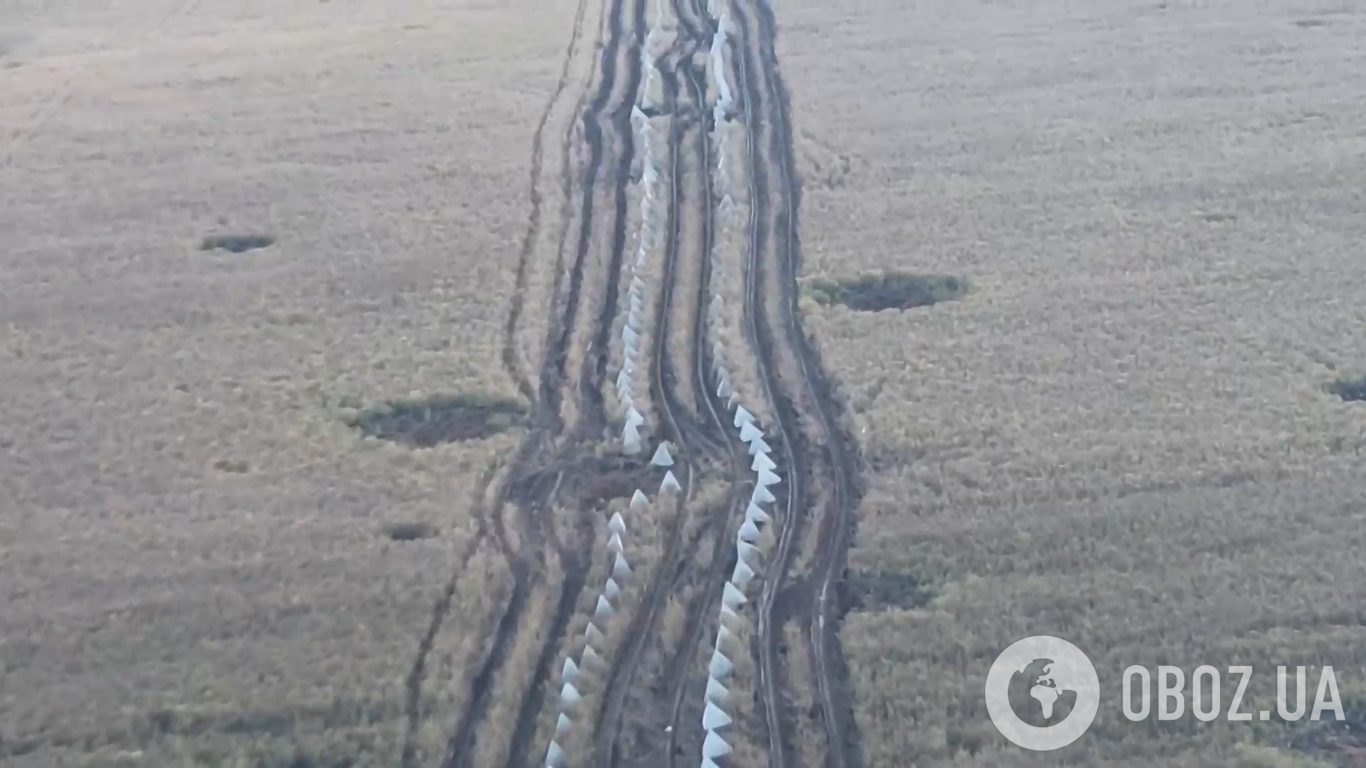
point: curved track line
(533, 227)
(842, 742)
(761, 339)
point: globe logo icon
(1042, 693)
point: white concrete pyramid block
(722, 372)
(633, 417)
(768, 477)
(615, 544)
(563, 725)
(723, 634)
(628, 335)
(603, 610)
(748, 553)
(714, 746)
(624, 378)
(638, 117)
(720, 666)
(591, 657)
(594, 636)
(569, 673)
(554, 756)
(749, 432)
(717, 351)
(749, 532)
(762, 461)
(670, 483)
(617, 524)
(629, 344)
(620, 569)
(662, 457)
(612, 589)
(759, 445)
(742, 574)
(630, 439)
(732, 597)
(761, 495)
(639, 500)
(742, 417)
(716, 691)
(569, 695)
(724, 389)
(713, 717)
(728, 613)
(755, 513)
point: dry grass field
(193, 566)
(1120, 434)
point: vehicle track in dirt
(527, 491)
(533, 227)
(607, 130)
(695, 421)
(417, 672)
(678, 426)
(823, 452)
(759, 284)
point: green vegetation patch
(875, 291)
(423, 423)
(879, 590)
(236, 243)
(1351, 390)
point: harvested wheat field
(675, 383)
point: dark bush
(443, 419)
(1351, 390)
(886, 290)
(236, 243)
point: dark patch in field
(442, 419)
(235, 466)
(879, 590)
(1311, 23)
(236, 243)
(1351, 390)
(886, 290)
(409, 531)
(1218, 217)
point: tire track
(525, 488)
(607, 130)
(593, 371)
(836, 459)
(417, 673)
(772, 677)
(624, 664)
(533, 228)
(685, 100)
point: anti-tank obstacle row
(608, 603)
